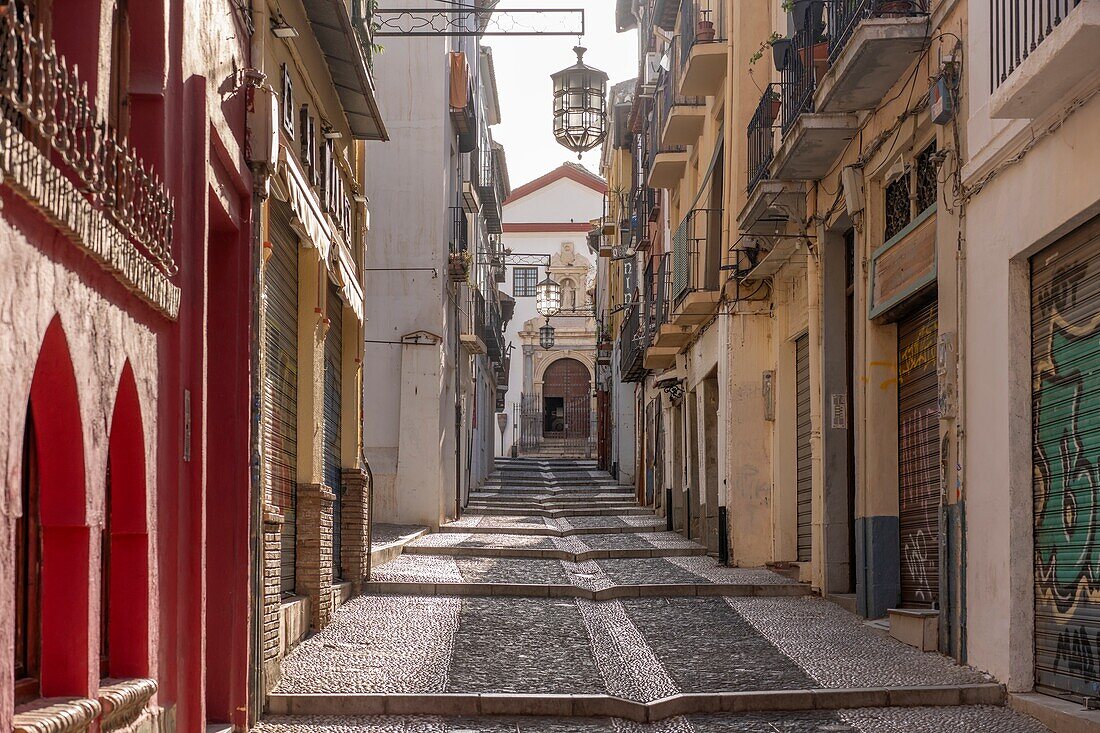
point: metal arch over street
(464, 20)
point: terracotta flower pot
(704, 31)
(774, 106)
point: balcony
(705, 51)
(490, 187)
(1041, 56)
(771, 203)
(633, 339)
(463, 103)
(57, 154)
(472, 336)
(659, 353)
(666, 163)
(696, 260)
(869, 50)
(643, 212)
(681, 118)
(812, 141)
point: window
(26, 575)
(288, 103)
(913, 193)
(524, 280)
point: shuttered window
(333, 363)
(918, 458)
(280, 404)
(803, 467)
(1065, 348)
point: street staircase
(557, 597)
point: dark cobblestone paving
(706, 646)
(976, 719)
(522, 645)
(619, 541)
(646, 570)
(511, 570)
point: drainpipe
(257, 693)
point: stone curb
(635, 511)
(586, 706)
(391, 551)
(541, 590)
(537, 554)
(551, 531)
(545, 503)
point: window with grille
(524, 281)
(911, 194)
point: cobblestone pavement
(637, 648)
(384, 534)
(971, 719)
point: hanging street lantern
(546, 335)
(548, 297)
(580, 105)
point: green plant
(764, 47)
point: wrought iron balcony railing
(643, 210)
(42, 97)
(1017, 28)
(845, 15)
(659, 283)
(693, 13)
(460, 230)
(633, 340)
(761, 135)
(669, 83)
(799, 77)
(695, 245)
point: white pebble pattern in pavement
(419, 569)
(838, 650)
(708, 567)
(587, 574)
(377, 644)
(627, 664)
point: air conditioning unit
(650, 70)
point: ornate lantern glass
(546, 336)
(580, 105)
(548, 297)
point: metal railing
(1017, 28)
(692, 12)
(761, 135)
(845, 15)
(643, 206)
(460, 230)
(633, 340)
(41, 95)
(659, 280)
(696, 241)
(799, 77)
(669, 82)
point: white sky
(523, 68)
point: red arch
(62, 516)
(125, 514)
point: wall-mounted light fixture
(281, 29)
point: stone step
(552, 531)
(593, 706)
(505, 503)
(542, 590)
(558, 513)
(540, 554)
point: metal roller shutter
(919, 458)
(1065, 348)
(281, 383)
(333, 369)
(803, 464)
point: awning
(308, 219)
(335, 31)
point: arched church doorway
(566, 389)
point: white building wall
(563, 201)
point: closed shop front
(280, 404)
(803, 451)
(1065, 348)
(918, 457)
(334, 355)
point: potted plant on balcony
(704, 28)
(781, 49)
(894, 8)
(769, 43)
(817, 56)
(771, 109)
(806, 14)
(458, 266)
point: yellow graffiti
(920, 353)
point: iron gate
(565, 428)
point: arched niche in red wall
(127, 526)
(65, 563)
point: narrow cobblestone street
(555, 594)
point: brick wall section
(272, 532)
(355, 528)
(314, 560)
